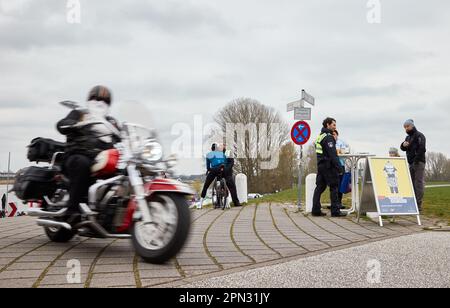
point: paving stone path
(220, 242)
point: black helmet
(100, 93)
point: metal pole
(299, 204)
(7, 177)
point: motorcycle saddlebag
(42, 149)
(34, 183)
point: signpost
(293, 105)
(301, 132)
(7, 178)
(13, 207)
(308, 98)
(302, 114)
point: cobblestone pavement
(221, 242)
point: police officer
(328, 169)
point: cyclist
(216, 163)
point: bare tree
(437, 165)
(309, 161)
(284, 176)
(447, 171)
(256, 134)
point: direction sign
(13, 207)
(308, 98)
(302, 114)
(301, 133)
(293, 105)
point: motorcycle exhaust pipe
(53, 224)
(41, 213)
(99, 230)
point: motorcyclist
(217, 162)
(84, 143)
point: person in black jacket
(228, 174)
(3, 209)
(415, 146)
(328, 169)
(84, 143)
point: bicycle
(220, 192)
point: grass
(286, 196)
(436, 201)
(291, 196)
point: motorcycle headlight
(152, 151)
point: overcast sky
(178, 59)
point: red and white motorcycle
(131, 196)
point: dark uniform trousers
(326, 177)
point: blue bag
(346, 184)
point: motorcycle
(131, 197)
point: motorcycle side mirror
(74, 106)
(153, 133)
(70, 104)
(172, 161)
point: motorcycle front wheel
(162, 239)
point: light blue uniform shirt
(341, 145)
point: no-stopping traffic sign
(301, 133)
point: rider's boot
(72, 216)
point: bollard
(242, 188)
(310, 187)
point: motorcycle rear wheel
(145, 241)
(59, 235)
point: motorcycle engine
(112, 206)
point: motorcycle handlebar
(87, 123)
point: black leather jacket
(417, 147)
(329, 156)
(84, 141)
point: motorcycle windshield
(135, 113)
(139, 121)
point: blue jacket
(215, 159)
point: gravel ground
(420, 261)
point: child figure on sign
(392, 179)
